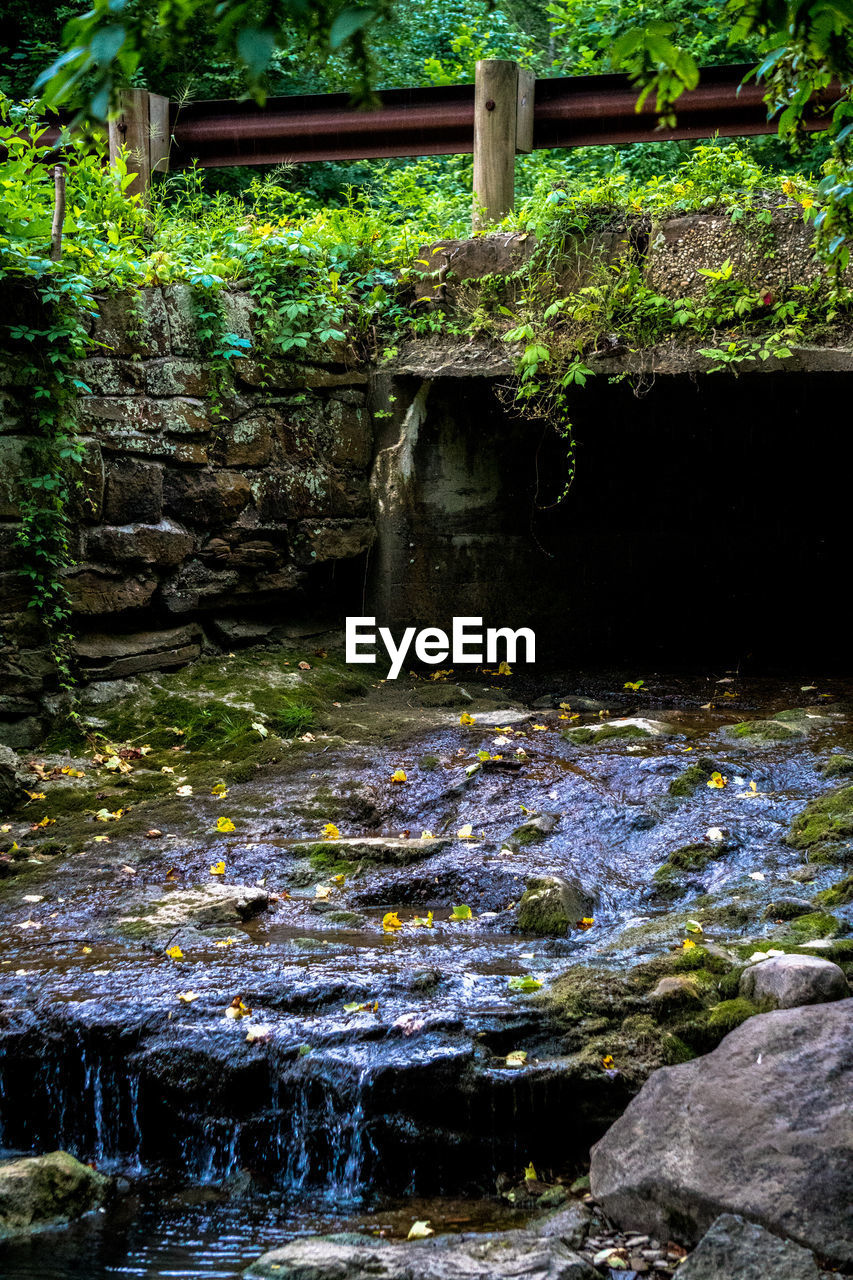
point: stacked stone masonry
(197, 512)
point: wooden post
(58, 212)
(503, 125)
(141, 124)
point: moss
(831, 855)
(698, 959)
(428, 763)
(345, 918)
(837, 895)
(837, 766)
(817, 924)
(697, 774)
(586, 734)
(690, 857)
(528, 833)
(763, 730)
(728, 1014)
(828, 818)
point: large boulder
(11, 781)
(733, 1247)
(507, 1255)
(762, 1127)
(46, 1191)
(785, 982)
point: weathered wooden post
(141, 124)
(503, 125)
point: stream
(257, 1053)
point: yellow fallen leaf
(530, 1174)
(187, 997)
(237, 1009)
(688, 943)
(399, 775)
(331, 832)
(219, 790)
(101, 839)
(607, 1062)
(225, 825)
(87, 951)
(391, 921)
(36, 795)
(518, 1058)
(465, 832)
(174, 953)
(540, 728)
(465, 718)
(420, 1230)
(427, 835)
(46, 822)
(322, 891)
(424, 922)
(225, 942)
(717, 781)
(218, 869)
(461, 912)
(104, 815)
(504, 669)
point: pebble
(634, 1242)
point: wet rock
(735, 1247)
(837, 895)
(837, 766)
(37, 1192)
(787, 908)
(676, 989)
(805, 874)
(11, 779)
(827, 819)
(609, 729)
(534, 830)
(392, 850)
(785, 982)
(764, 730)
(677, 1158)
(473, 1257)
(552, 905)
(693, 777)
(211, 905)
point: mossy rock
(693, 777)
(829, 818)
(550, 906)
(586, 734)
(728, 1014)
(837, 766)
(828, 854)
(837, 895)
(688, 858)
(764, 730)
(817, 924)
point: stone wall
(200, 516)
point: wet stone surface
(201, 1005)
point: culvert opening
(704, 522)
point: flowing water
(232, 1135)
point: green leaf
(527, 983)
(348, 21)
(256, 47)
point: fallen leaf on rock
(174, 953)
(715, 835)
(465, 718)
(461, 913)
(101, 839)
(530, 1174)
(424, 922)
(256, 1035)
(504, 669)
(586, 923)
(167, 768)
(331, 832)
(29, 924)
(687, 944)
(153, 833)
(367, 1007)
(36, 795)
(427, 835)
(518, 1058)
(307, 737)
(635, 685)
(220, 790)
(322, 891)
(72, 773)
(305, 666)
(46, 822)
(391, 921)
(409, 1023)
(525, 983)
(33, 897)
(540, 728)
(225, 825)
(217, 869)
(87, 951)
(225, 942)
(261, 729)
(693, 926)
(607, 1062)
(184, 791)
(131, 871)
(465, 832)
(105, 815)
(717, 781)
(756, 875)
(187, 997)
(420, 1230)
(237, 1009)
